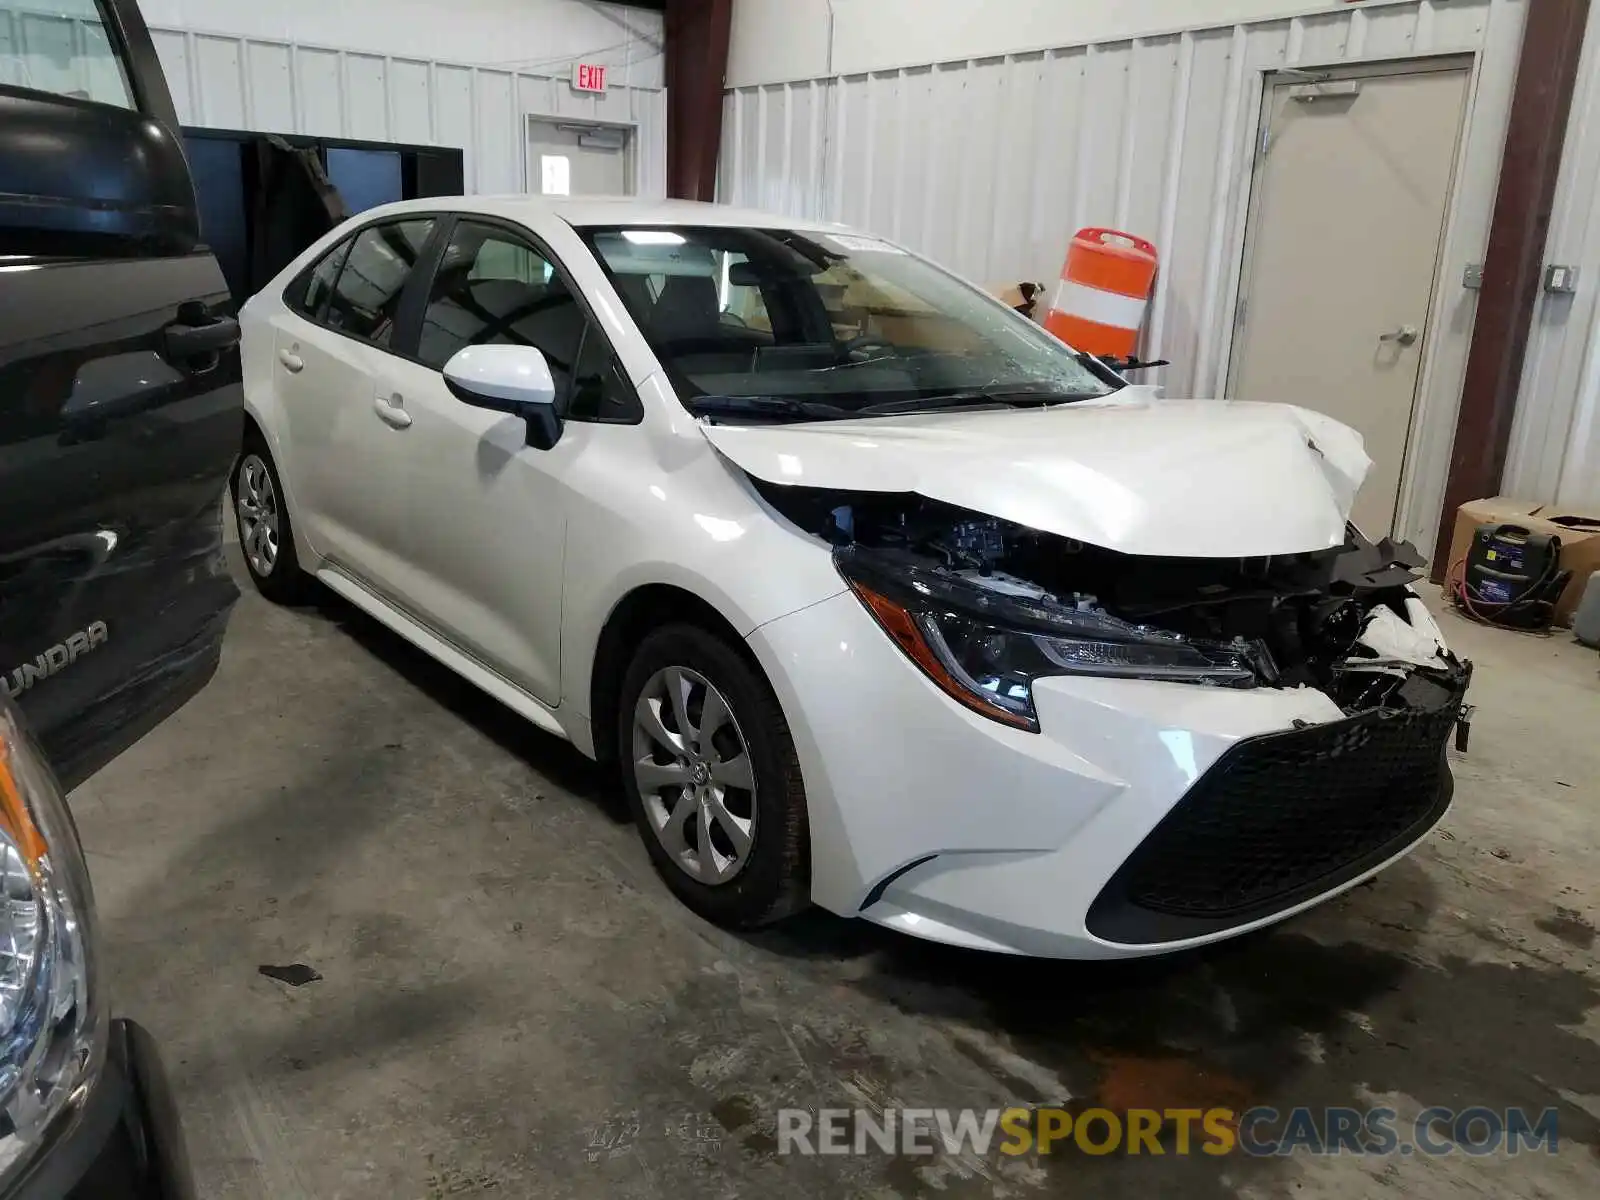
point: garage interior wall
(779, 40)
(1554, 455)
(465, 74)
(989, 164)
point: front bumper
(123, 1142)
(931, 819)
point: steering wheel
(862, 343)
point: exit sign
(588, 77)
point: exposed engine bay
(1343, 620)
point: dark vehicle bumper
(125, 1143)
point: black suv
(120, 415)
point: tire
(771, 879)
(266, 537)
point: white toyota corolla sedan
(875, 594)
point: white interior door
(572, 159)
(1348, 208)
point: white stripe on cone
(1104, 308)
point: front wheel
(712, 778)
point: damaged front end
(985, 606)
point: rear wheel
(711, 775)
(265, 535)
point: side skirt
(452, 656)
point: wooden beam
(1547, 75)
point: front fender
(715, 539)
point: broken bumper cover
(931, 819)
(124, 1142)
(1282, 818)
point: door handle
(1405, 335)
(390, 412)
(202, 340)
(291, 361)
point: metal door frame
(630, 151)
(1249, 221)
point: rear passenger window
(61, 47)
(310, 291)
(494, 289)
(367, 295)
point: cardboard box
(1579, 533)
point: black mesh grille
(1279, 819)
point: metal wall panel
(270, 85)
(366, 89)
(318, 83)
(289, 87)
(525, 35)
(453, 113)
(989, 166)
(220, 66)
(1555, 440)
(410, 100)
(498, 163)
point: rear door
(343, 434)
(120, 399)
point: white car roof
(583, 211)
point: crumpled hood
(1186, 478)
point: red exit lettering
(589, 77)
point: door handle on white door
(1405, 335)
(291, 361)
(390, 412)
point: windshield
(804, 325)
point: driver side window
(492, 288)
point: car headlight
(986, 644)
(52, 1032)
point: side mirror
(508, 379)
(92, 179)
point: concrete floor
(512, 1004)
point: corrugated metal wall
(284, 86)
(1555, 441)
(989, 166)
(234, 82)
